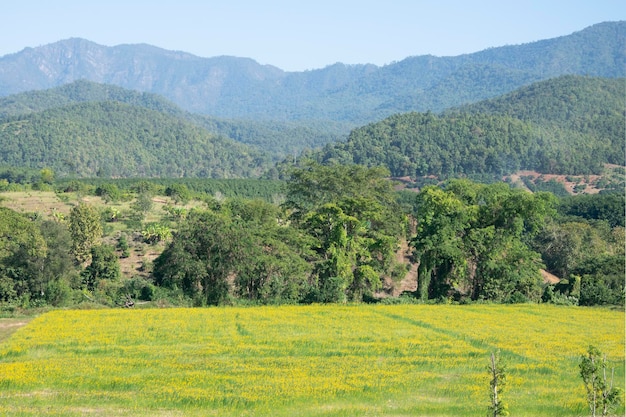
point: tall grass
(303, 360)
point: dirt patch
(44, 202)
(9, 326)
(549, 278)
(574, 184)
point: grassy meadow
(366, 360)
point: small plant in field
(122, 244)
(601, 395)
(156, 232)
(497, 373)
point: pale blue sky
(298, 35)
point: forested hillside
(568, 125)
(276, 138)
(81, 91)
(113, 139)
(229, 87)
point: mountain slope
(115, 139)
(276, 138)
(231, 87)
(568, 125)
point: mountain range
(556, 106)
(240, 88)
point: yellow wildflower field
(374, 360)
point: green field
(404, 360)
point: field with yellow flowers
(366, 360)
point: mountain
(278, 139)
(588, 105)
(82, 91)
(111, 138)
(229, 87)
(566, 125)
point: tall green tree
(473, 241)
(201, 257)
(86, 230)
(353, 215)
(21, 246)
(240, 251)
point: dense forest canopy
(276, 138)
(113, 139)
(576, 126)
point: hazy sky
(298, 35)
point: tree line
(334, 237)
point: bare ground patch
(9, 326)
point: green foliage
(585, 247)
(140, 289)
(104, 266)
(143, 203)
(497, 384)
(85, 228)
(602, 396)
(47, 176)
(602, 280)
(352, 214)
(607, 206)
(156, 232)
(577, 127)
(112, 138)
(57, 270)
(179, 193)
(473, 241)
(122, 244)
(203, 253)
(245, 242)
(21, 246)
(109, 192)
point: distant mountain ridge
(241, 88)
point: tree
(353, 215)
(104, 265)
(86, 230)
(57, 272)
(109, 192)
(204, 252)
(441, 224)
(275, 268)
(179, 193)
(473, 241)
(47, 176)
(316, 185)
(497, 382)
(21, 247)
(143, 203)
(601, 394)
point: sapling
(601, 395)
(497, 372)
